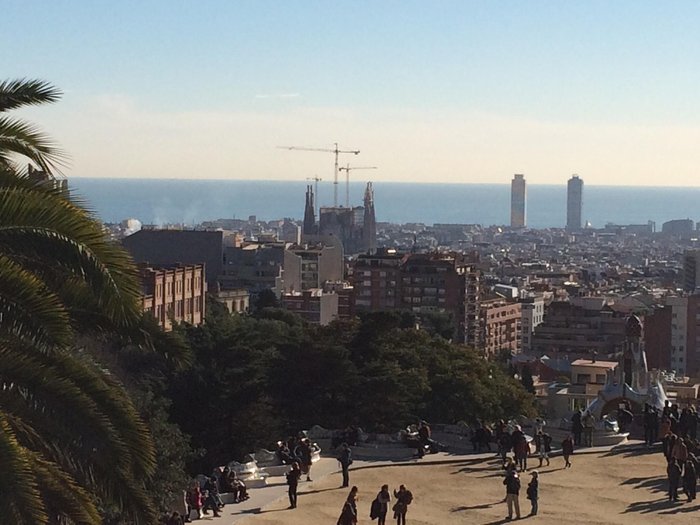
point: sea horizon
(192, 201)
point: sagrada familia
(355, 227)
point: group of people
(298, 450)
(679, 446)
(201, 499)
(516, 441)
(582, 426)
(379, 508)
(512, 483)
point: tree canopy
(258, 379)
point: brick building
(500, 327)
(420, 283)
(174, 294)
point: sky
(428, 91)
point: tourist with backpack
(380, 506)
(404, 498)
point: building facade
(579, 329)
(376, 279)
(174, 294)
(420, 283)
(313, 305)
(532, 315)
(501, 330)
(574, 204)
(518, 201)
(679, 333)
(307, 267)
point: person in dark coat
(293, 483)
(305, 458)
(345, 460)
(382, 500)
(674, 477)
(533, 492)
(690, 480)
(348, 516)
(512, 483)
(577, 427)
(404, 498)
(212, 499)
(567, 449)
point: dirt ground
(613, 487)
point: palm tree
(71, 441)
(18, 137)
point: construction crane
(347, 170)
(336, 152)
(316, 180)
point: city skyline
(442, 92)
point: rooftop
(597, 364)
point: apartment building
(500, 327)
(174, 294)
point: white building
(679, 333)
(531, 315)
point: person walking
(690, 480)
(348, 516)
(567, 449)
(674, 477)
(533, 492)
(345, 460)
(521, 449)
(293, 483)
(680, 451)
(512, 483)
(404, 498)
(194, 501)
(544, 446)
(380, 505)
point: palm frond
(19, 495)
(29, 310)
(63, 496)
(25, 92)
(22, 138)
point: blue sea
(161, 201)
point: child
(533, 492)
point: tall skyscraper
(574, 203)
(518, 196)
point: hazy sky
(430, 91)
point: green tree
(71, 441)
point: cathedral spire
(369, 228)
(309, 213)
